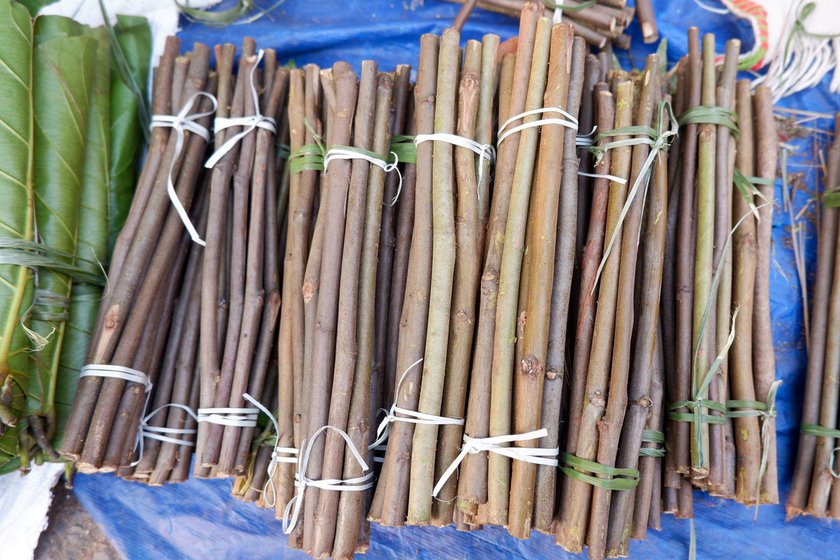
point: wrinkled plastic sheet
(199, 519)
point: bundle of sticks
(599, 23)
(816, 480)
(716, 316)
(135, 409)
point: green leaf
(33, 6)
(134, 40)
(16, 210)
(93, 236)
(63, 69)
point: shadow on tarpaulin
(199, 519)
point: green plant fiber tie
(610, 478)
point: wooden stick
(703, 334)
(498, 477)
(351, 504)
(465, 289)
(609, 427)
(254, 302)
(237, 252)
(574, 508)
(231, 104)
(645, 357)
(723, 261)
(551, 244)
(380, 375)
(748, 446)
(646, 511)
(346, 343)
(324, 345)
(440, 291)
(125, 336)
(412, 336)
(473, 488)
(764, 362)
(678, 435)
(87, 392)
(463, 14)
(647, 20)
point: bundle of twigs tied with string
(816, 480)
(143, 389)
(721, 386)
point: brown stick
(467, 270)
(723, 261)
(646, 511)
(474, 488)
(679, 389)
(551, 244)
(230, 103)
(574, 511)
(237, 251)
(350, 510)
(645, 349)
(161, 262)
(346, 344)
(440, 291)
(254, 302)
(412, 336)
(609, 427)
(381, 375)
(764, 362)
(647, 20)
(326, 317)
(498, 477)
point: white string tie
(160, 432)
(569, 122)
(485, 152)
(356, 484)
(180, 123)
(613, 178)
(229, 416)
(251, 122)
(347, 153)
(117, 372)
(126, 374)
(398, 414)
(496, 444)
(278, 454)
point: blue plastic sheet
(199, 519)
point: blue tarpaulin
(199, 519)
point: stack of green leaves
(71, 132)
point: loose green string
(576, 468)
(711, 114)
(824, 432)
(403, 146)
(309, 157)
(652, 436)
(36, 255)
(747, 187)
(765, 411)
(831, 198)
